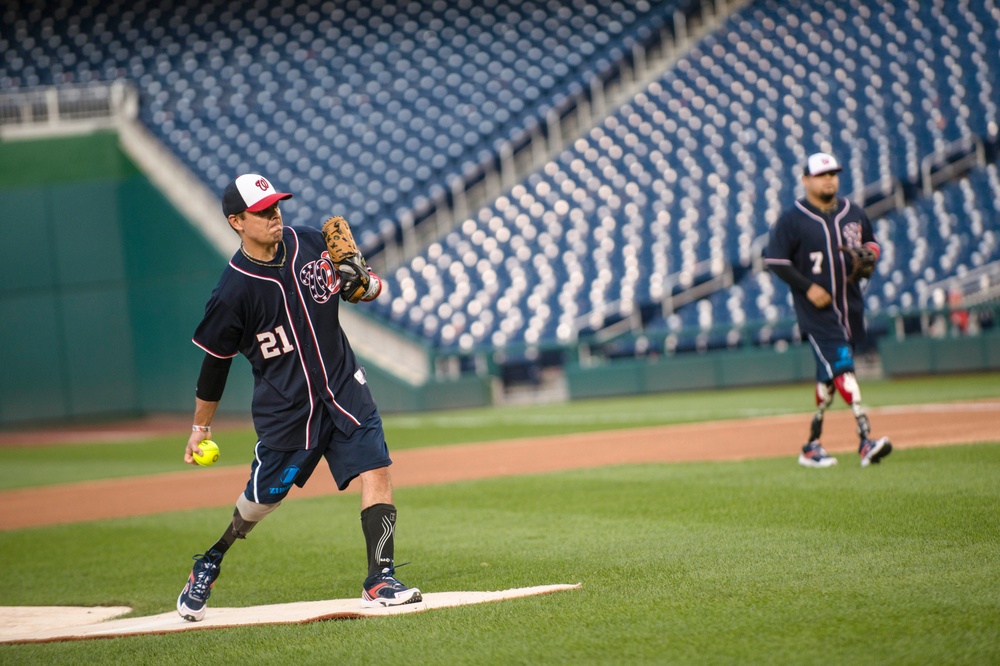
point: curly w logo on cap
(251, 192)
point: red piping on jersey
(775, 262)
(835, 293)
(212, 353)
(298, 347)
(312, 332)
(843, 266)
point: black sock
(378, 522)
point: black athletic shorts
(273, 472)
(833, 358)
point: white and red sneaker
(192, 604)
(873, 450)
(814, 455)
(382, 589)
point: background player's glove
(860, 262)
(357, 282)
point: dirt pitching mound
(27, 624)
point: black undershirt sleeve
(792, 276)
(212, 380)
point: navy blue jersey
(808, 240)
(285, 320)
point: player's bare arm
(204, 412)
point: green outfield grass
(32, 466)
(703, 563)
(750, 562)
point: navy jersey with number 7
(283, 316)
(808, 240)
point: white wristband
(199, 428)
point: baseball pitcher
(277, 303)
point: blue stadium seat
(441, 81)
(369, 111)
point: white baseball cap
(820, 163)
(251, 192)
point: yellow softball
(209, 453)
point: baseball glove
(860, 262)
(357, 282)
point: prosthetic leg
(847, 386)
(871, 451)
(813, 454)
(193, 600)
(824, 398)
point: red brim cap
(250, 192)
(268, 201)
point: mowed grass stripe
(750, 562)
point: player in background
(804, 251)
(277, 303)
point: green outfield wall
(756, 367)
(930, 356)
(102, 286)
(395, 395)
(689, 372)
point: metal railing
(980, 285)
(66, 109)
(951, 162)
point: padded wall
(101, 288)
(691, 372)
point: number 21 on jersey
(274, 343)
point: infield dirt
(192, 488)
